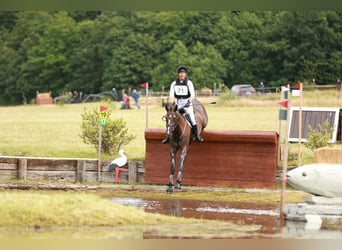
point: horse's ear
(175, 107)
(168, 106)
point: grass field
(54, 130)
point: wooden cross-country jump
(245, 159)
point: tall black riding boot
(197, 136)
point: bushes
(317, 138)
(226, 96)
(114, 133)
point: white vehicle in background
(243, 90)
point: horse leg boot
(173, 153)
(166, 139)
(181, 166)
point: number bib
(181, 90)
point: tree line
(94, 51)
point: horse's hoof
(178, 186)
(169, 190)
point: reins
(175, 125)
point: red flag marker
(103, 108)
(283, 103)
(297, 86)
(143, 85)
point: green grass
(29, 209)
(53, 130)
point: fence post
(80, 171)
(22, 169)
(132, 171)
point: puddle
(241, 213)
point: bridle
(172, 122)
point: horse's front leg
(172, 171)
(181, 166)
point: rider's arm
(191, 89)
(171, 98)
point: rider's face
(182, 75)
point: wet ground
(261, 219)
(241, 213)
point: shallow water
(262, 218)
(241, 213)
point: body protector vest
(181, 90)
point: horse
(180, 135)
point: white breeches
(189, 110)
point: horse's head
(171, 117)
(171, 107)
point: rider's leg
(191, 117)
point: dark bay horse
(180, 134)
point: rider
(182, 89)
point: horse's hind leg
(181, 166)
(172, 172)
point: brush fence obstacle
(225, 158)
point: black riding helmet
(182, 69)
